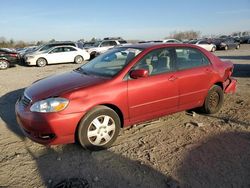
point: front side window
(111, 62)
(189, 58)
(104, 44)
(157, 61)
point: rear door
(194, 77)
(69, 54)
(156, 94)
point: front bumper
(47, 128)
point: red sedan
(121, 87)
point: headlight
(50, 105)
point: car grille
(25, 101)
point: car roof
(156, 45)
(63, 46)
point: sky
(31, 20)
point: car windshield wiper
(80, 70)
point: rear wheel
(213, 49)
(78, 59)
(237, 47)
(93, 55)
(226, 48)
(99, 128)
(4, 64)
(214, 100)
(41, 62)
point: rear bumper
(230, 85)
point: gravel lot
(180, 150)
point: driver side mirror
(140, 73)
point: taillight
(230, 72)
(13, 55)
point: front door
(156, 94)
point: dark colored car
(245, 39)
(124, 86)
(226, 43)
(8, 58)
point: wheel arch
(117, 110)
(111, 106)
(42, 58)
(219, 84)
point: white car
(102, 46)
(58, 54)
(204, 44)
(171, 41)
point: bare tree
(185, 35)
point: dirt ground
(180, 150)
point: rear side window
(69, 49)
(190, 58)
(203, 42)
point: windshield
(193, 42)
(111, 62)
(97, 44)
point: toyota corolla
(119, 88)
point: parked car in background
(171, 41)
(47, 46)
(26, 50)
(161, 41)
(104, 45)
(8, 58)
(245, 39)
(226, 43)
(122, 87)
(58, 54)
(204, 44)
(87, 45)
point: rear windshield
(122, 41)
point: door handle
(172, 78)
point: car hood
(58, 84)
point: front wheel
(237, 47)
(99, 128)
(4, 64)
(41, 62)
(213, 49)
(214, 100)
(226, 48)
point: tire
(4, 64)
(226, 48)
(41, 62)
(237, 47)
(98, 129)
(92, 55)
(78, 59)
(214, 100)
(213, 49)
